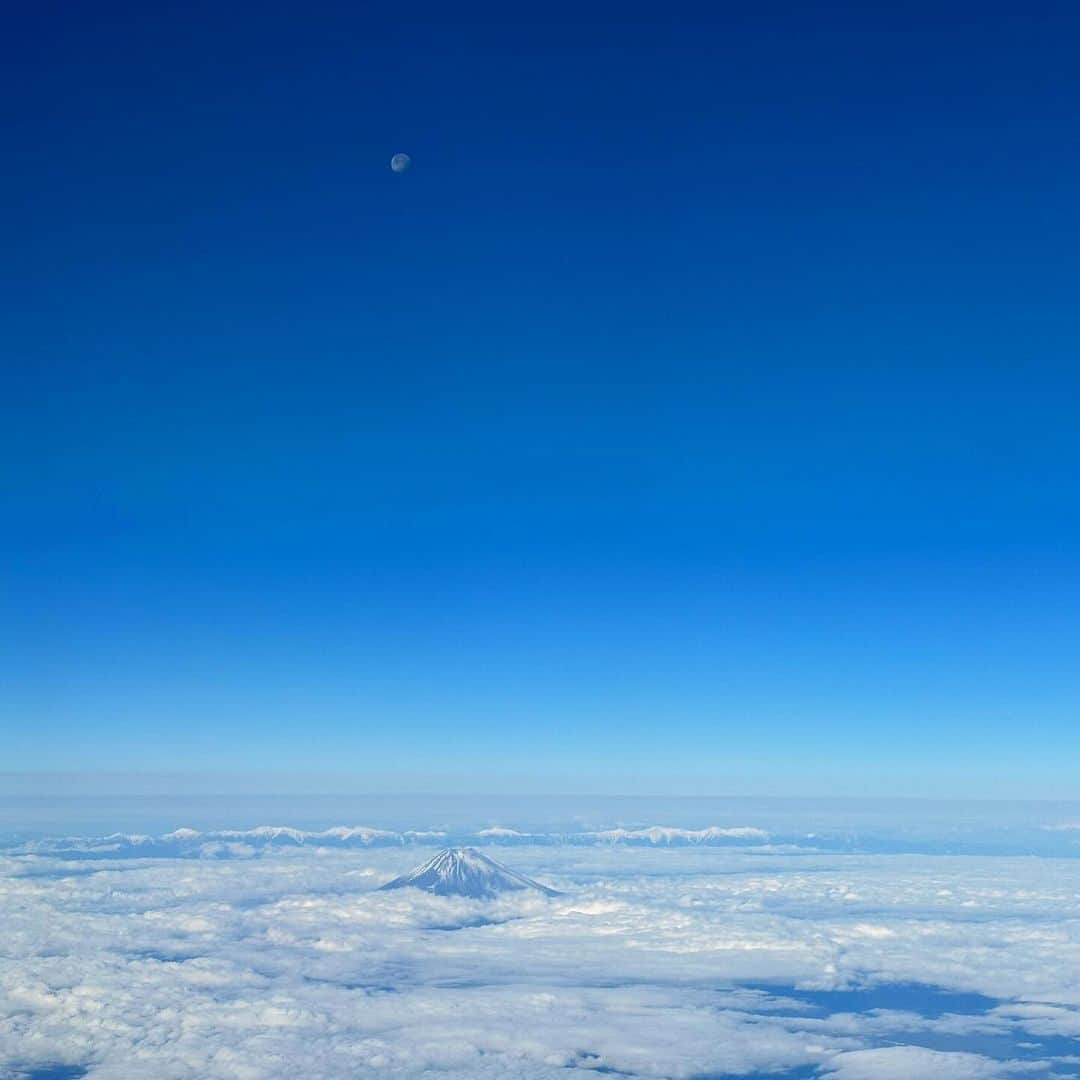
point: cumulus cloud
(657, 961)
(905, 1062)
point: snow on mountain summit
(189, 843)
(466, 872)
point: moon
(400, 162)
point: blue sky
(697, 412)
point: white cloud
(291, 963)
(909, 1062)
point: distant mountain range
(466, 872)
(240, 843)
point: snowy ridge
(659, 834)
(466, 872)
(222, 843)
(246, 843)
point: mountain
(466, 872)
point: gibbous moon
(400, 162)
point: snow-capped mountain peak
(466, 872)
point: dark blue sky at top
(700, 409)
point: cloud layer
(689, 961)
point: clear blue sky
(698, 412)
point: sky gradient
(698, 412)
